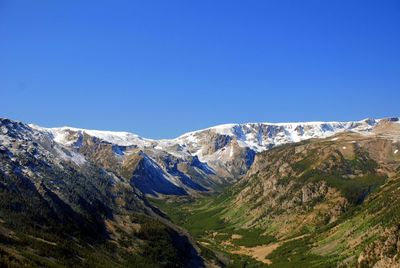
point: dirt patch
(260, 253)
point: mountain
(195, 162)
(58, 208)
(328, 202)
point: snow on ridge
(257, 136)
(227, 129)
(262, 136)
(61, 134)
(127, 138)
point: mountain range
(80, 197)
(196, 161)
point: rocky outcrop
(383, 252)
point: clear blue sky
(161, 68)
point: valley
(310, 204)
(252, 195)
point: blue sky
(162, 68)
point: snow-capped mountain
(196, 161)
(263, 136)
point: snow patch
(231, 152)
(72, 156)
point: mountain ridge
(198, 160)
(219, 126)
